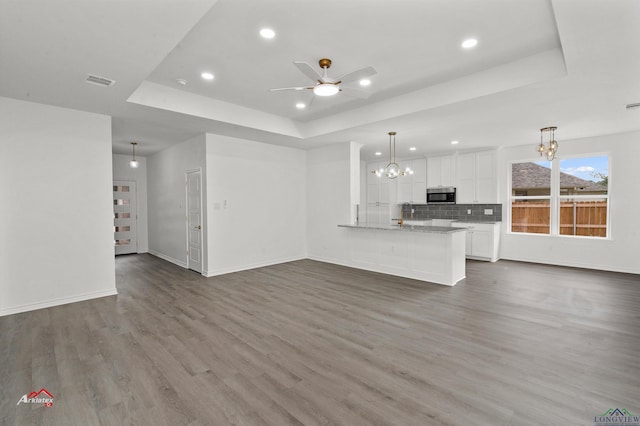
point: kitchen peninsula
(428, 253)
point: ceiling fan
(327, 86)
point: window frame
(555, 198)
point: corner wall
(333, 178)
(56, 219)
(620, 252)
(122, 171)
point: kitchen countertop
(407, 228)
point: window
(531, 197)
(564, 197)
(584, 196)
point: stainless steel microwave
(441, 195)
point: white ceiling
(569, 63)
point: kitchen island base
(433, 254)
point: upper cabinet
(441, 171)
(476, 181)
(378, 188)
(412, 188)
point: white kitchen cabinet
(441, 171)
(483, 240)
(476, 181)
(380, 191)
(412, 188)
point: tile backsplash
(466, 212)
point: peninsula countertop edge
(406, 228)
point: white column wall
(619, 253)
(122, 171)
(56, 211)
(330, 200)
(257, 204)
(167, 198)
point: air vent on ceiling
(100, 81)
(631, 106)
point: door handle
(198, 227)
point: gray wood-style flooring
(309, 343)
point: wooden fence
(586, 218)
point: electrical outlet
(468, 211)
(488, 211)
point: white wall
(257, 204)
(619, 253)
(56, 216)
(166, 198)
(330, 200)
(122, 171)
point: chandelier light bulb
(392, 171)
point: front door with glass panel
(124, 217)
(194, 221)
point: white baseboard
(590, 265)
(328, 260)
(168, 258)
(241, 268)
(56, 302)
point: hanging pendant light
(134, 163)
(393, 170)
(552, 147)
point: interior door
(124, 217)
(194, 221)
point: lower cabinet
(483, 240)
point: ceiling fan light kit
(327, 86)
(325, 89)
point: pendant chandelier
(552, 147)
(134, 163)
(392, 170)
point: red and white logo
(43, 396)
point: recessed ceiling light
(300, 105)
(378, 153)
(267, 33)
(365, 82)
(413, 148)
(207, 76)
(469, 43)
(454, 142)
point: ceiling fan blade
(355, 93)
(358, 74)
(290, 88)
(311, 98)
(308, 70)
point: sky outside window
(587, 168)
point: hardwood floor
(308, 343)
